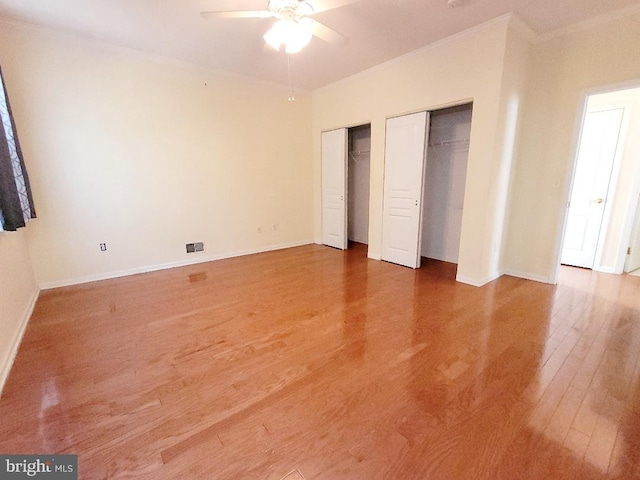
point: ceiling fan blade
(327, 34)
(238, 14)
(324, 5)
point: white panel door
(598, 145)
(334, 188)
(403, 173)
(633, 260)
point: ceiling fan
(294, 26)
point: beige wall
(146, 155)
(18, 293)
(562, 71)
(473, 66)
(513, 89)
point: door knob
(598, 200)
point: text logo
(49, 467)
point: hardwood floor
(311, 363)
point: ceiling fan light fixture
(301, 35)
(294, 35)
(274, 37)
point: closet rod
(359, 154)
(450, 142)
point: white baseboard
(474, 283)
(164, 266)
(7, 363)
(528, 276)
(605, 270)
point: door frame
(364, 125)
(429, 110)
(425, 192)
(612, 183)
(346, 169)
(632, 237)
(581, 113)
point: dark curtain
(16, 201)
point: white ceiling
(378, 30)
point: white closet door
(334, 188)
(403, 173)
(597, 151)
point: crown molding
(588, 24)
(31, 29)
(502, 20)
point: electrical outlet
(195, 247)
(103, 247)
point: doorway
(345, 186)
(424, 184)
(591, 185)
(444, 182)
(358, 174)
(604, 194)
(632, 264)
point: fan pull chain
(292, 97)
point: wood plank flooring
(310, 363)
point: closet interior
(358, 174)
(445, 175)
